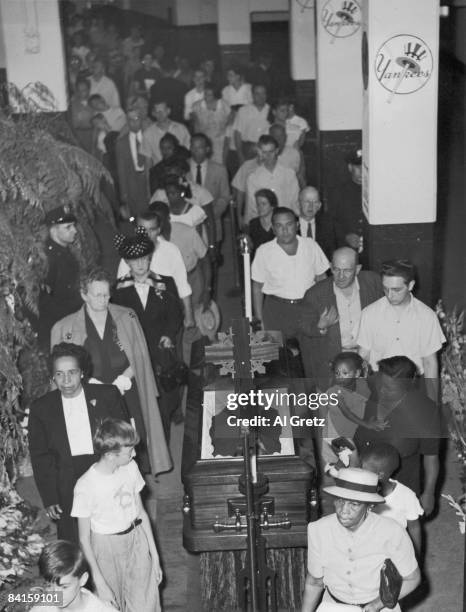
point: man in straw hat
(347, 549)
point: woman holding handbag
(155, 301)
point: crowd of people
(183, 144)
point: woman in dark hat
(155, 300)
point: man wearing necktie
(314, 222)
(133, 168)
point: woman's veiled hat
(134, 247)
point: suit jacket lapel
(60, 424)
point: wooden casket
(214, 508)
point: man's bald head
(309, 203)
(345, 267)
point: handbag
(390, 584)
(171, 372)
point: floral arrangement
(19, 545)
(40, 168)
(453, 383)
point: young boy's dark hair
(382, 457)
(61, 558)
(113, 435)
(349, 357)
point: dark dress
(162, 316)
(414, 430)
(258, 234)
(108, 362)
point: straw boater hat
(357, 485)
(208, 320)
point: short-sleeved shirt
(386, 331)
(188, 240)
(106, 88)
(247, 168)
(290, 158)
(190, 99)
(234, 97)
(110, 501)
(288, 276)
(251, 122)
(295, 126)
(166, 261)
(401, 505)
(282, 181)
(350, 561)
(152, 136)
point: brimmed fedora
(208, 320)
(357, 485)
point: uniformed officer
(59, 295)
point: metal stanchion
(235, 291)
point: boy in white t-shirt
(63, 566)
(114, 529)
(296, 128)
(401, 503)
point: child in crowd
(344, 417)
(114, 529)
(63, 566)
(401, 503)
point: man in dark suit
(330, 313)
(314, 222)
(132, 168)
(62, 424)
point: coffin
(211, 475)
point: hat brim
(360, 496)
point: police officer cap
(134, 247)
(62, 214)
(354, 157)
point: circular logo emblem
(341, 18)
(403, 64)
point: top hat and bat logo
(403, 64)
(341, 18)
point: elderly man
(330, 313)
(282, 271)
(347, 549)
(132, 168)
(400, 324)
(270, 174)
(314, 222)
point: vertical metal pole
(251, 524)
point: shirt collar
(337, 290)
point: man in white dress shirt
(400, 324)
(251, 123)
(282, 272)
(163, 124)
(271, 175)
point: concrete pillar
(401, 58)
(303, 56)
(234, 31)
(34, 53)
(339, 90)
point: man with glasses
(314, 222)
(330, 313)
